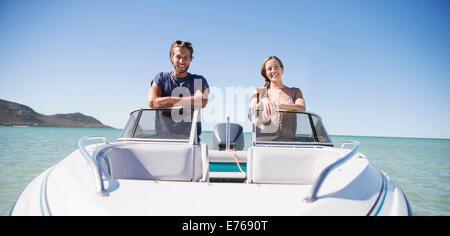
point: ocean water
(420, 167)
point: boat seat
(146, 161)
(275, 165)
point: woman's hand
(270, 110)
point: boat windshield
(173, 124)
(289, 127)
(176, 125)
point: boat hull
(68, 188)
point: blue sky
(375, 68)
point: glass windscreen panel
(169, 124)
(322, 134)
(131, 124)
(289, 127)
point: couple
(180, 88)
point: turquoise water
(420, 167)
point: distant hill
(14, 114)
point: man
(167, 86)
(178, 88)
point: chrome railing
(93, 163)
(312, 196)
(193, 137)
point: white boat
(158, 167)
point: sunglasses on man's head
(179, 42)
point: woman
(275, 95)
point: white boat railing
(93, 163)
(312, 196)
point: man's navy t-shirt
(172, 86)
(169, 83)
